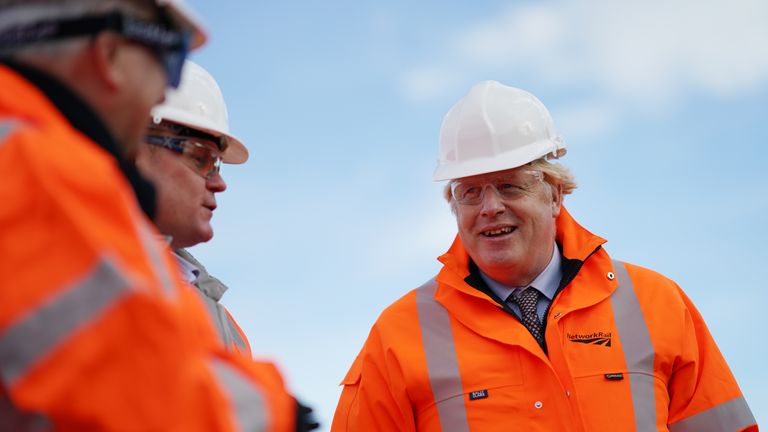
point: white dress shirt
(546, 282)
(189, 271)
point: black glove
(305, 420)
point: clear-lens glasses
(510, 186)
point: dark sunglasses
(169, 46)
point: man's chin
(208, 235)
(497, 261)
(192, 240)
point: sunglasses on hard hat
(200, 157)
(509, 186)
(169, 46)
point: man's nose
(491, 203)
(216, 183)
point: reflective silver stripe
(234, 334)
(5, 128)
(213, 312)
(638, 349)
(247, 401)
(35, 335)
(226, 329)
(442, 362)
(152, 247)
(729, 416)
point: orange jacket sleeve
(96, 331)
(374, 397)
(702, 380)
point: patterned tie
(527, 300)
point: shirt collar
(547, 281)
(189, 271)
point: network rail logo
(595, 338)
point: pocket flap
(353, 376)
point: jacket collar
(576, 242)
(576, 245)
(82, 117)
(209, 285)
(463, 292)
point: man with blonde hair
(97, 331)
(530, 324)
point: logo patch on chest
(479, 394)
(594, 338)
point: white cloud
(648, 51)
(518, 35)
(643, 55)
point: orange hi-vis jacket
(97, 331)
(626, 351)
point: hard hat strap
(170, 45)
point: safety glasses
(201, 158)
(169, 46)
(509, 186)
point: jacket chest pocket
(626, 397)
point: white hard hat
(199, 104)
(493, 128)
(183, 16)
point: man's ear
(105, 51)
(557, 199)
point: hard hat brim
(235, 153)
(499, 162)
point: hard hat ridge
(493, 128)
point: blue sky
(663, 106)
